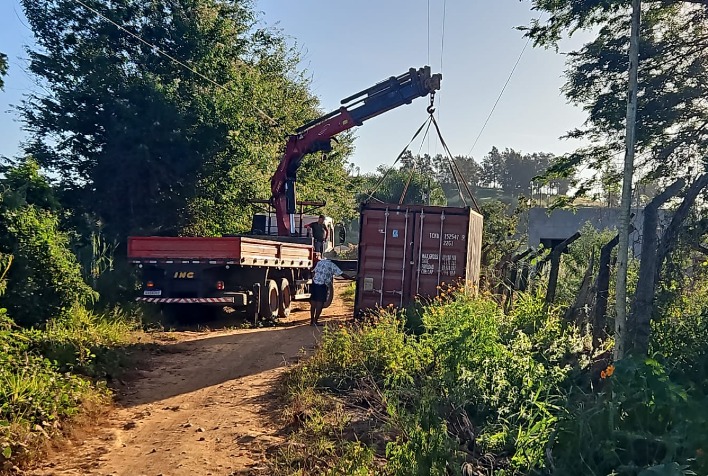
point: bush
(640, 423)
(45, 279)
(465, 386)
(87, 343)
(34, 395)
(679, 339)
(517, 393)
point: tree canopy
(148, 145)
(672, 117)
(3, 69)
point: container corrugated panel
(406, 252)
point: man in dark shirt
(319, 233)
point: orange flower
(607, 373)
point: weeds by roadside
(349, 293)
(50, 376)
(476, 391)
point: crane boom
(316, 135)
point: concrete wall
(561, 224)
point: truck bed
(235, 250)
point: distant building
(550, 228)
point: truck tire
(285, 299)
(270, 300)
(330, 295)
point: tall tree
(148, 145)
(671, 139)
(672, 120)
(3, 70)
(493, 168)
(514, 172)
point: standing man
(319, 233)
(322, 275)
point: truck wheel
(330, 294)
(269, 300)
(285, 298)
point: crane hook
(431, 108)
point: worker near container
(322, 275)
(319, 233)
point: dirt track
(206, 407)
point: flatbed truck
(259, 275)
(263, 274)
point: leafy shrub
(87, 343)
(45, 280)
(381, 351)
(639, 423)
(679, 338)
(34, 395)
(466, 364)
(516, 393)
(424, 450)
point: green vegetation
(47, 377)
(349, 293)
(480, 390)
(151, 147)
(502, 383)
(3, 69)
(56, 354)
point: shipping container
(406, 252)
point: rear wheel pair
(275, 299)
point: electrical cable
(428, 31)
(442, 49)
(171, 58)
(508, 80)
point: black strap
(381, 180)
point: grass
(50, 377)
(349, 293)
(485, 392)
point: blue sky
(349, 46)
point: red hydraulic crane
(316, 136)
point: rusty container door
(406, 252)
(440, 251)
(384, 256)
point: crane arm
(316, 136)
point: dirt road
(206, 407)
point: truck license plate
(152, 293)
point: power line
(442, 55)
(428, 31)
(170, 57)
(501, 93)
(442, 48)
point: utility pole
(626, 204)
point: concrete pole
(626, 204)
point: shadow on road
(213, 358)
